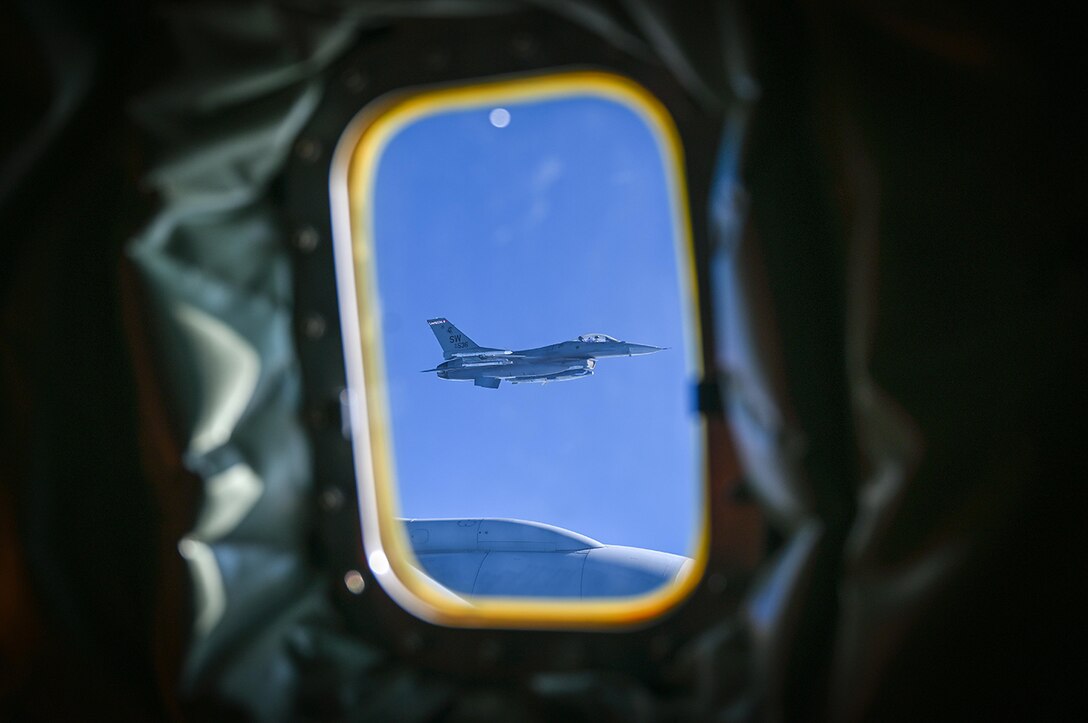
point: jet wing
(489, 382)
(481, 360)
(483, 354)
(493, 361)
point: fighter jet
(487, 367)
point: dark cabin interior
(893, 194)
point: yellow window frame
(387, 549)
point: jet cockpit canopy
(596, 338)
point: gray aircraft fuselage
(488, 367)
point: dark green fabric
(250, 78)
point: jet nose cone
(636, 349)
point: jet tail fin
(452, 339)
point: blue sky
(555, 225)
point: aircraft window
(475, 227)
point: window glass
(490, 227)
